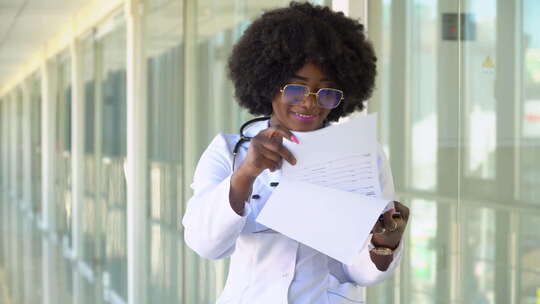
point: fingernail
(294, 139)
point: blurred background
(106, 106)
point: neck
(273, 121)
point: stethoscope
(244, 138)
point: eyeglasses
(326, 97)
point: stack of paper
(331, 198)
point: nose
(311, 100)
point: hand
(266, 151)
(389, 231)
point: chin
(305, 125)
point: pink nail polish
(294, 139)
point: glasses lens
(329, 98)
(294, 94)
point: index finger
(281, 131)
(388, 221)
(402, 209)
(278, 148)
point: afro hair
(283, 40)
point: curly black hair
(283, 40)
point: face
(306, 116)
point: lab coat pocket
(335, 297)
(345, 293)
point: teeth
(304, 115)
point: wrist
(240, 191)
(247, 173)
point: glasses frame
(308, 90)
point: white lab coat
(262, 261)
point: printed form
(331, 198)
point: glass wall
(164, 56)
(92, 209)
(17, 104)
(63, 148)
(456, 95)
(110, 121)
(35, 143)
(93, 204)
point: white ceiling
(25, 26)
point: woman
(304, 66)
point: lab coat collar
(256, 127)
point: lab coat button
(256, 196)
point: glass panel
(35, 131)
(423, 93)
(18, 125)
(530, 105)
(163, 32)
(112, 129)
(479, 55)
(423, 240)
(63, 149)
(478, 271)
(529, 259)
(92, 219)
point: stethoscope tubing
(244, 138)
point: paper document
(331, 198)
(334, 222)
(342, 156)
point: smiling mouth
(304, 117)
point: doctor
(303, 66)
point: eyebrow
(306, 79)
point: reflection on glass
(63, 148)
(18, 103)
(424, 95)
(92, 204)
(35, 142)
(164, 49)
(530, 110)
(478, 84)
(529, 259)
(423, 232)
(112, 178)
(478, 239)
